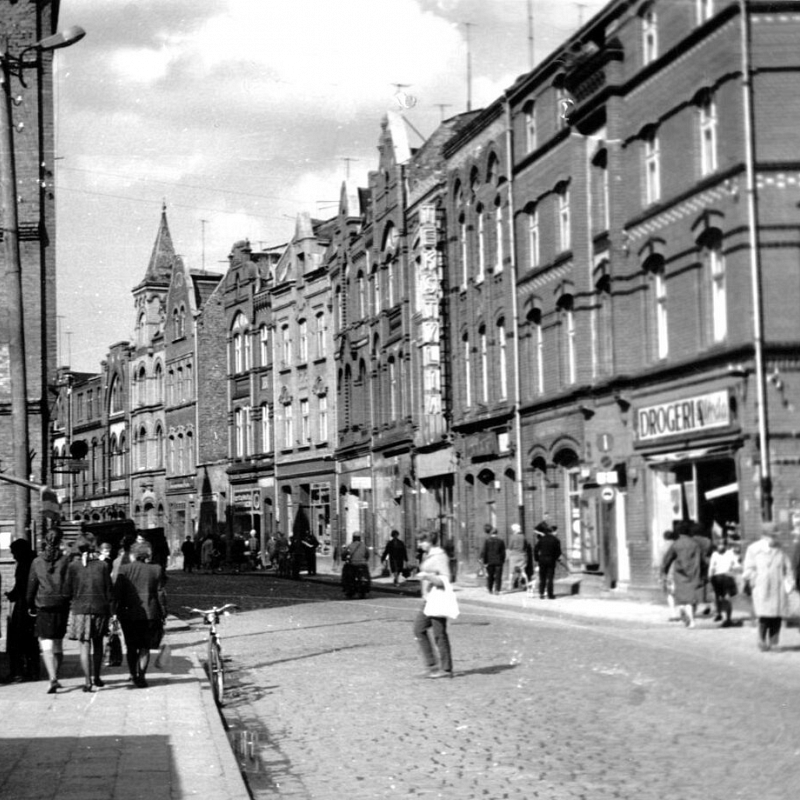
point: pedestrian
(89, 590)
(670, 536)
(310, 546)
(187, 548)
(517, 549)
(268, 552)
(546, 553)
(452, 557)
(704, 539)
(768, 578)
(123, 555)
(493, 556)
(722, 567)
(238, 548)
(104, 555)
(252, 549)
(142, 609)
(207, 554)
(686, 557)
(434, 572)
(22, 648)
(296, 555)
(355, 565)
(395, 555)
(45, 597)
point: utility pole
(530, 35)
(203, 237)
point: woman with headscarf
(768, 578)
(141, 608)
(46, 598)
(21, 646)
(90, 592)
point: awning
(687, 455)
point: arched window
(322, 346)
(141, 385)
(498, 235)
(239, 332)
(189, 451)
(172, 463)
(567, 313)
(530, 126)
(141, 448)
(159, 383)
(159, 445)
(481, 223)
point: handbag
(113, 648)
(441, 602)
(164, 658)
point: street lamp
(13, 66)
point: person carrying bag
(439, 605)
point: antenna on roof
(347, 161)
(203, 238)
(530, 34)
(469, 25)
(442, 107)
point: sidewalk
(166, 742)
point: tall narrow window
(533, 238)
(249, 443)
(719, 296)
(390, 283)
(322, 347)
(264, 345)
(288, 426)
(659, 325)
(302, 332)
(484, 346)
(566, 305)
(238, 431)
(503, 359)
(305, 422)
(266, 430)
(708, 136)
(649, 36)
(392, 389)
(498, 236)
(286, 344)
(322, 418)
(652, 169)
(462, 240)
(248, 350)
(538, 333)
(239, 331)
(530, 127)
(362, 295)
(376, 291)
(481, 245)
(467, 371)
(564, 225)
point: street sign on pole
(607, 494)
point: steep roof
(159, 270)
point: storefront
(355, 497)
(690, 447)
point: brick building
(21, 25)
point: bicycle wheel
(216, 671)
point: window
(503, 359)
(563, 105)
(180, 390)
(718, 300)
(376, 290)
(323, 418)
(159, 380)
(564, 232)
(498, 235)
(652, 169)
(240, 358)
(649, 37)
(249, 443)
(286, 345)
(658, 328)
(705, 10)
(142, 386)
(362, 296)
(266, 431)
(302, 327)
(392, 367)
(533, 238)
(181, 464)
(264, 342)
(176, 324)
(708, 136)
(172, 462)
(484, 346)
(116, 395)
(530, 127)
(248, 350)
(566, 304)
(159, 447)
(238, 428)
(390, 283)
(305, 422)
(603, 326)
(322, 347)
(189, 383)
(467, 372)
(481, 245)
(538, 343)
(288, 426)
(462, 240)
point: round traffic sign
(608, 493)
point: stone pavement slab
(166, 742)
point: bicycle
(214, 661)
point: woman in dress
(46, 597)
(21, 645)
(90, 592)
(141, 609)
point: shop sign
(481, 445)
(690, 415)
(246, 499)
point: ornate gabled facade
(188, 292)
(148, 385)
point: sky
(241, 114)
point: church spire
(159, 270)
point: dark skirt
(142, 634)
(51, 623)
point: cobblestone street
(539, 707)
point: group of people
(77, 592)
(693, 562)
(522, 558)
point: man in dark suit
(546, 553)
